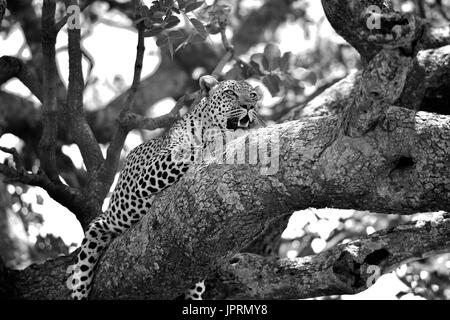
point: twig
(140, 122)
(228, 47)
(71, 198)
(113, 153)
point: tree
(358, 143)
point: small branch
(12, 67)
(113, 153)
(71, 198)
(139, 122)
(47, 143)
(228, 47)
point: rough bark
(401, 166)
(344, 269)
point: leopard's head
(231, 104)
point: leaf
(272, 54)
(284, 62)
(172, 22)
(199, 27)
(162, 40)
(153, 32)
(272, 51)
(272, 82)
(260, 60)
(193, 6)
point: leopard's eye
(230, 93)
(254, 95)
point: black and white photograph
(238, 152)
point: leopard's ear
(207, 83)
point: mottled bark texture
(344, 269)
(195, 227)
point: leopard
(156, 164)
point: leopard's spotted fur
(155, 165)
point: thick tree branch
(401, 165)
(47, 144)
(80, 129)
(344, 269)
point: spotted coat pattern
(155, 165)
